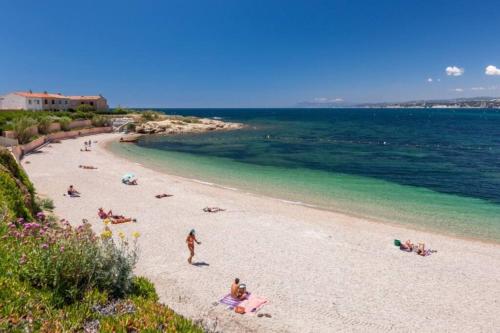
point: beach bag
(397, 242)
(239, 309)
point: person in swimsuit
(72, 192)
(190, 240)
(234, 288)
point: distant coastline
(456, 103)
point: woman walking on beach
(190, 240)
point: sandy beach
(321, 271)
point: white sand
(321, 271)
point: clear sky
(239, 53)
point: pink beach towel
(230, 301)
(253, 303)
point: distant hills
(464, 102)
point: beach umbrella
(128, 176)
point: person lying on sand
(72, 192)
(190, 240)
(163, 195)
(87, 167)
(213, 209)
(85, 149)
(122, 219)
(130, 181)
(234, 288)
(406, 246)
(103, 215)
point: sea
(429, 169)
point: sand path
(321, 271)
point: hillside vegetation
(55, 277)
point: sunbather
(122, 219)
(72, 192)
(190, 240)
(103, 215)
(163, 195)
(242, 292)
(234, 288)
(213, 209)
(129, 181)
(87, 167)
(421, 250)
(407, 246)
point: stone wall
(21, 150)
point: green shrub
(85, 108)
(150, 115)
(45, 204)
(44, 124)
(99, 121)
(70, 261)
(144, 288)
(12, 196)
(22, 127)
(65, 121)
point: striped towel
(230, 301)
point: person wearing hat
(190, 240)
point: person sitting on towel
(234, 288)
(242, 292)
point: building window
(46, 101)
(65, 102)
(92, 103)
(38, 101)
(59, 101)
(53, 102)
(29, 101)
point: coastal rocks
(180, 125)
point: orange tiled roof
(84, 97)
(39, 95)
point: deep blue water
(448, 151)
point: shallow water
(431, 169)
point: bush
(99, 121)
(22, 127)
(70, 261)
(150, 115)
(144, 288)
(85, 108)
(44, 124)
(65, 121)
(46, 204)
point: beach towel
(230, 301)
(253, 303)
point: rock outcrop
(179, 125)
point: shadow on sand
(200, 264)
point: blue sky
(239, 53)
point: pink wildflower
(44, 246)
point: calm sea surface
(432, 169)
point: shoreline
(291, 254)
(365, 219)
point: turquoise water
(435, 171)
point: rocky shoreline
(181, 125)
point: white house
(34, 101)
(51, 102)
